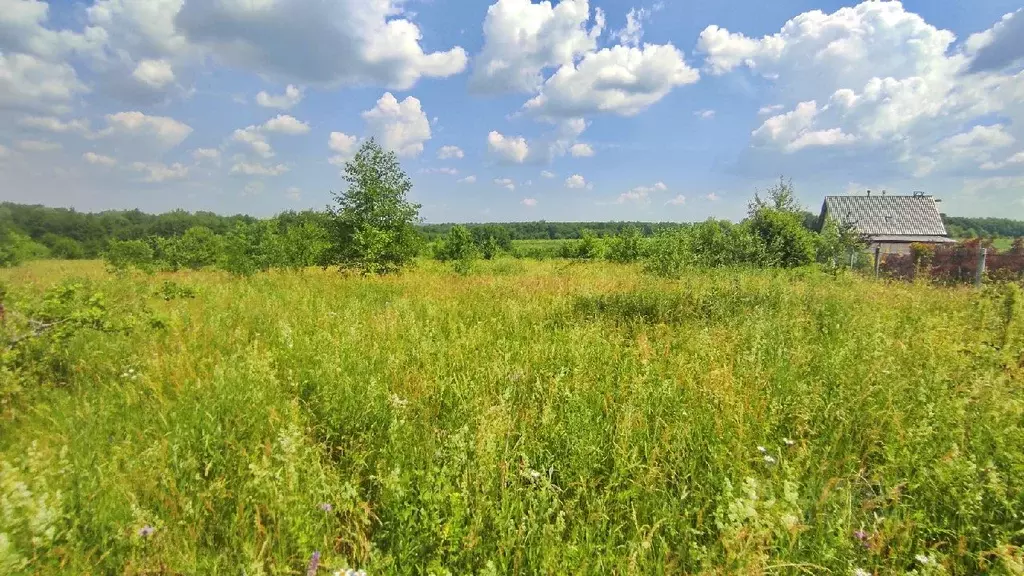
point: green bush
(588, 247)
(124, 255)
(251, 248)
(197, 248)
(626, 246)
(63, 247)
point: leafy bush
(785, 241)
(197, 248)
(458, 244)
(251, 248)
(124, 255)
(304, 245)
(626, 246)
(588, 247)
(63, 248)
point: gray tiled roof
(887, 215)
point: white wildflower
(762, 449)
(788, 442)
(925, 560)
(861, 572)
(769, 459)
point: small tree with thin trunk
(372, 222)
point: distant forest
(68, 233)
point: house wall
(901, 248)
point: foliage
(670, 254)
(372, 221)
(733, 421)
(786, 243)
(836, 244)
(626, 246)
(588, 247)
(124, 255)
(251, 248)
(457, 245)
(304, 245)
(199, 247)
(63, 248)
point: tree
(122, 255)
(373, 224)
(251, 248)
(780, 196)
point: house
(890, 223)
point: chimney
(883, 192)
(869, 192)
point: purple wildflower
(326, 506)
(146, 531)
(862, 536)
(314, 563)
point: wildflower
(326, 506)
(146, 531)
(788, 442)
(861, 572)
(314, 564)
(769, 460)
(925, 560)
(862, 536)
(534, 474)
(762, 449)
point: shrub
(197, 248)
(588, 247)
(123, 255)
(63, 247)
(626, 246)
(456, 245)
(786, 243)
(304, 245)
(251, 248)
(669, 254)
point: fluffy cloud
(370, 42)
(155, 74)
(401, 126)
(521, 39)
(286, 101)
(256, 169)
(1000, 46)
(581, 150)
(529, 202)
(547, 174)
(285, 124)
(29, 82)
(165, 131)
(704, 114)
(99, 159)
(576, 182)
(642, 194)
(634, 30)
(620, 80)
(506, 183)
(200, 154)
(467, 180)
(343, 146)
(679, 200)
(876, 86)
(255, 139)
(1015, 160)
(450, 153)
(155, 172)
(512, 149)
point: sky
(513, 110)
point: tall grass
(535, 418)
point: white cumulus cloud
(99, 159)
(401, 126)
(581, 150)
(450, 153)
(155, 74)
(512, 149)
(529, 202)
(292, 96)
(506, 183)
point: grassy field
(532, 417)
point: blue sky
(511, 110)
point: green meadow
(522, 418)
